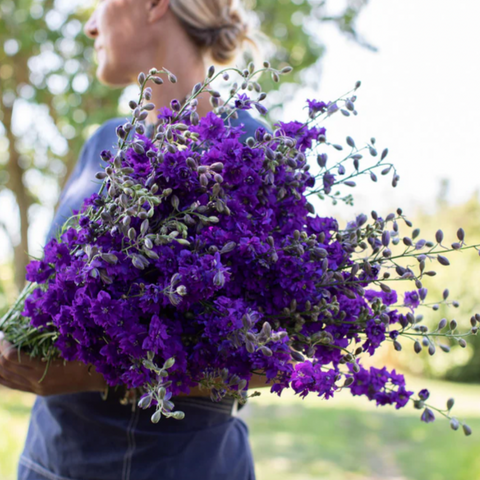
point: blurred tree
(49, 101)
(45, 61)
(462, 279)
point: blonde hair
(219, 27)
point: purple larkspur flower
(411, 299)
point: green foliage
(46, 62)
(461, 278)
(293, 26)
(460, 364)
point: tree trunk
(15, 184)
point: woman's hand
(20, 372)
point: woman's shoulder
(249, 124)
(106, 132)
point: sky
(419, 98)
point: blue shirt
(82, 437)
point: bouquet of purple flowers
(202, 262)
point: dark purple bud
(427, 416)
(373, 177)
(175, 105)
(454, 424)
(466, 429)
(439, 236)
(443, 260)
(385, 238)
(261, 109)
(420, 244)
(322, 159)
(461, 234)
(121, 132)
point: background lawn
(348, 439)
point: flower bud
(454, 424)
(466, 429)
(450, 403)
(443, 260)
(141, 79)
(266, 351)
(156, 416)
(169, 363)
(242, 384)
(462, 342)
(439, 236)
(445, 348)
(417, 347)
(145, 402)
(178, 415)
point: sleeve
(85, 154)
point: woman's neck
(189, 69)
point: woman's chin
(110, 76)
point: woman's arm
(20, 372)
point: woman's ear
(157, 9)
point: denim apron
(83, 437)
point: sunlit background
(419, 66)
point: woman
(74, 434)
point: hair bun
(218, 27)
(229, 39)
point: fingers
(14, 386)
(12, 356)
(14, 378)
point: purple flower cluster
(381, 386)
(205, 249)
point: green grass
(14, 413)
(348, 439)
